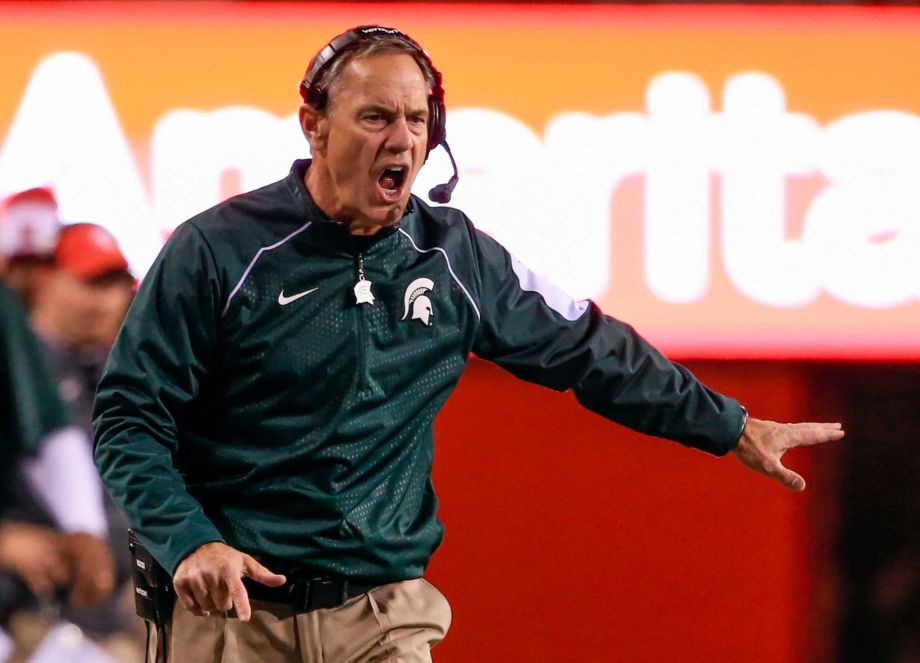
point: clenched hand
(763, 444)
(210, 579)
(34, 553)
(92, 569)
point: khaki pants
(399, 622)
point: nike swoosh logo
(284, 301)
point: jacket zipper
(361, 321)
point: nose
(400, 137)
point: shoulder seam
(255, 259)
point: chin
(388, 214)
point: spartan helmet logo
(417, 303)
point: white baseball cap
(29, 224)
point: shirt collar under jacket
(331, 230)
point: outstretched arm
(542, 335)
(763, 443)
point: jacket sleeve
(542, 335)
(154, 371)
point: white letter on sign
(864, 229)
(760, 146)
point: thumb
(260, 574)
(790, 479)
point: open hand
(763, 444)
(210, 579)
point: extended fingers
(253, 569)
(810, 434)
(239, 598)
(210, 579)
(220, 594)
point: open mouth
(391, 180)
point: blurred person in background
(29, 225)
(29, 411)
(78, 303)
(78, 299)
(42, 451)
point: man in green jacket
(265, 419)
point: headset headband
(315, 94)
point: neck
(320, 187)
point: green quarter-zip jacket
(251, 399)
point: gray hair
(329, 78)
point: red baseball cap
(88, 251)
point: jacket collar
(330, 230)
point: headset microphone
(442, 192)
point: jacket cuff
(736, 417)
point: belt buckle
(322, 592)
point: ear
(315, 127)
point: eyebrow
(386, 110)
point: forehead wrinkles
(378, 81)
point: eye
(418, 122)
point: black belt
(308, 594)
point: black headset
(316, 95)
